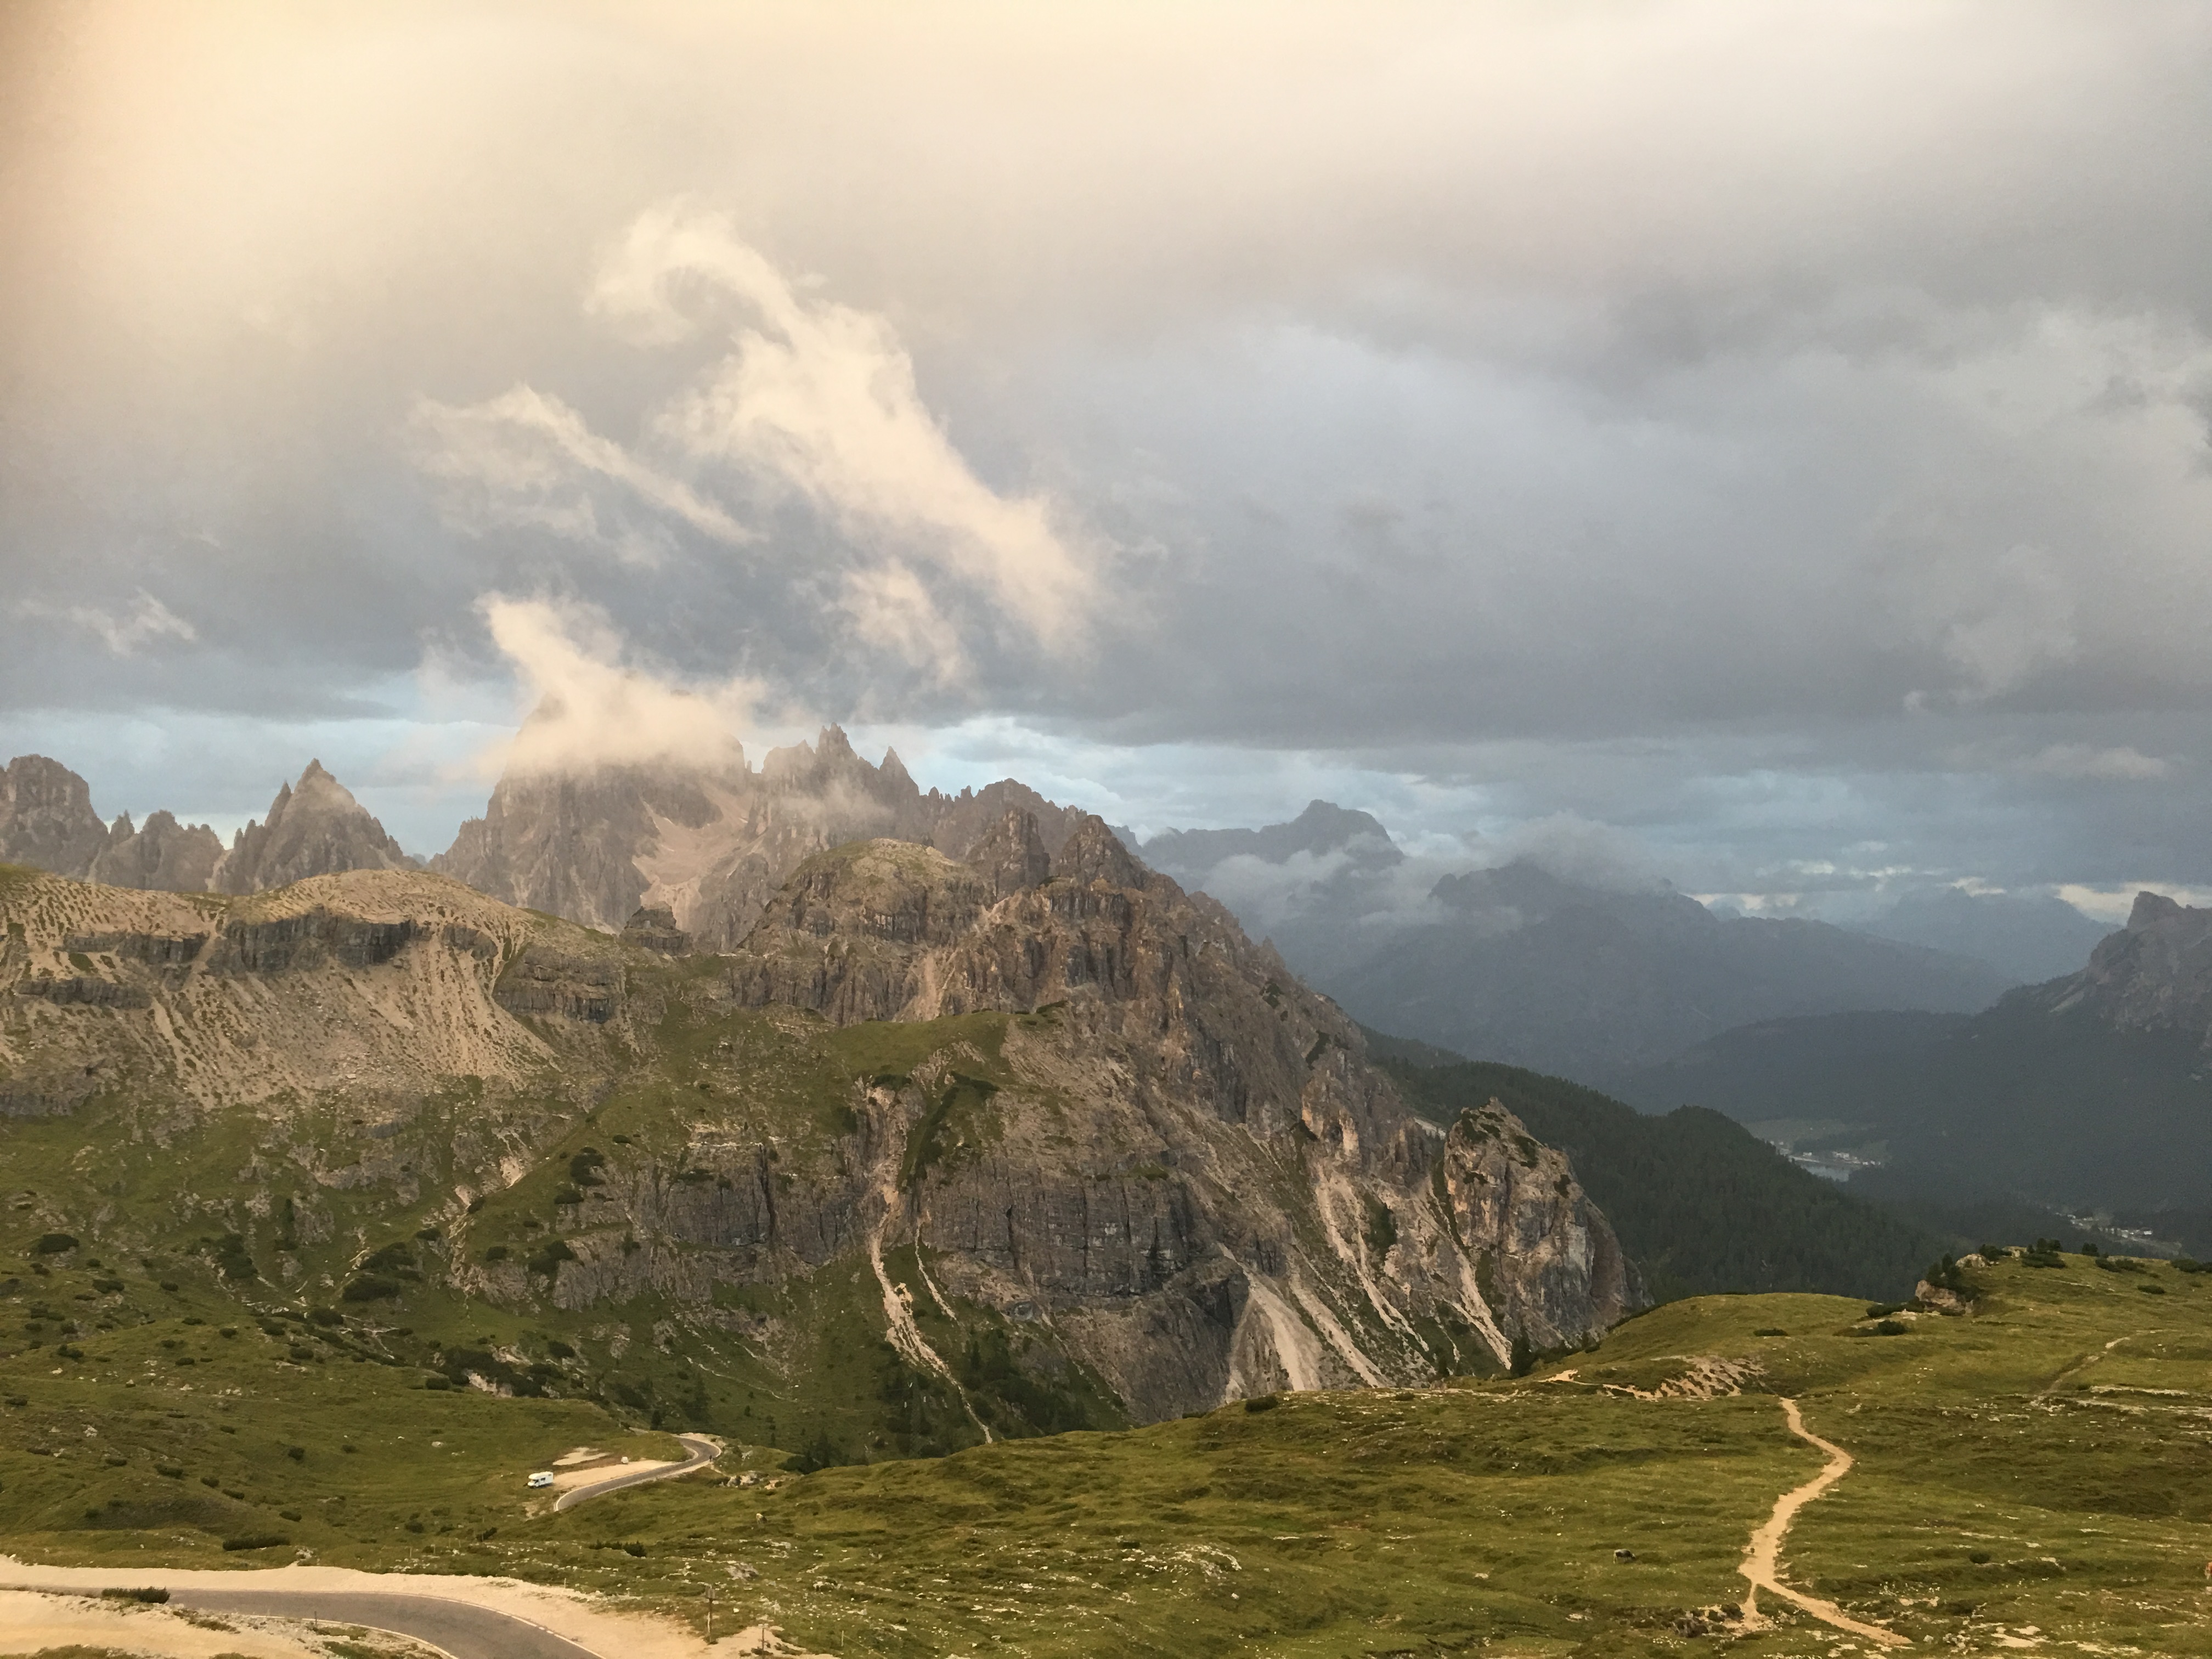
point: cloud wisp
(813, 402)
(124, 633)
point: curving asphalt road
(464, 1630)
(458, 1628)
(703, 1452)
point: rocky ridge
(1173, 1036)
(710, 844)
(313, 828)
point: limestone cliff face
(1197, 1175)
(46, 820)
(710, 844)
(2154, 974)
(315, 827)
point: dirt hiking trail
(1762, 1557)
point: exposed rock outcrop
(165, 856)
(46, 820)
(1050, 1096)
(315, 827)
(1295, 1226)
(2154, 974)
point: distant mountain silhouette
(1521, 965)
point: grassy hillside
(1700, 1205)
(2034, 1474)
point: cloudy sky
(1773, 440)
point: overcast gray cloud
(1779, 437)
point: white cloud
(822, 398)
(125, 633)
(590, 707)
(890, 608)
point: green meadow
(2036, 1472)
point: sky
(1773, 442)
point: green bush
(256, 1540)
(53, 1244)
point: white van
(542, 1477)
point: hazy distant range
(1520, 964)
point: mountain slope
(1701, 1204)
(2027, 939)
(315, 827)
(1067, 1148)
(1534, 971)
(1521, 964)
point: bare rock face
(1292, 1226)
(314, 829)
(710, 844)
(2154, 974)
(46, 820)
(655, 929)
(165, 856)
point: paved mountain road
(457, 1628)
(703, 1452)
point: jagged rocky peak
(2153, 974)
(47, 819)
(313, 829)
(163, 856)
(711, 842)
(1011, 855)
(1152, 1022)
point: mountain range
(1521, 965)
(313, 828)
(2090, 1093)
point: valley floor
(2036, 1476)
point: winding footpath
(1762, 1557)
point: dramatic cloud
(1777, 441)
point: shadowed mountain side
(1701, 1204)
(1519, 963)
(2090, 1092)
(710, 844)
(1527, 968)
(2028, 939)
